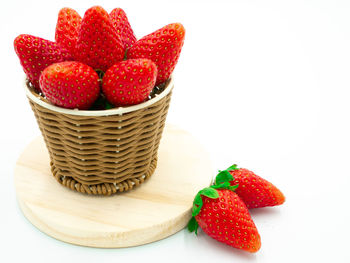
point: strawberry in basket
(129, 82)
(122, 25)
(70, 84)
(36, 53)
(128, 70)
(67, 29)
(98, 44)
(163, 47)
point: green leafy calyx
(192, 225)
(232, 167)
(223, 176)
(198, 202)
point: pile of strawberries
(98, 56)
(221, 210)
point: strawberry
(98, 44)
(129, 82)
(254, 190)
(67, 28)
(70, 85)
(163, 47)
(223, 216)
(122, 25)
(35, 54)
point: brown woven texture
(103, 155)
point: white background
(264, 84)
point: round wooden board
(156, 209)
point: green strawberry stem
(222, 181)
(100, 73)
(233, 167)
(101, 103)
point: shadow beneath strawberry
(217, 249)
(264, 211)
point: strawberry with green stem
(253, 190)
(221, 214)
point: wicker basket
(102, 152)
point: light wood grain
(156, 209)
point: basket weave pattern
(103, 155)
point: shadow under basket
(102, 152)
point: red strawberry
(223, 216)
(129, 82)
(35, 54)
(98, 44)
(67, 28)
(163, 47)
(254, 190)
(70, 85)
(122, 25)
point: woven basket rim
(114, 111)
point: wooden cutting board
(156, 209)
